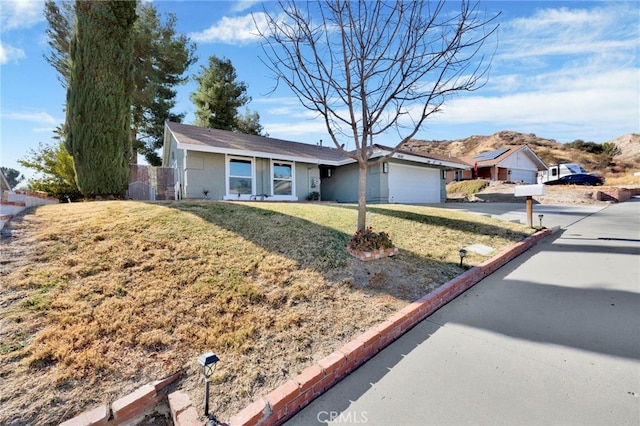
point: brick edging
(128, 408)
(289, 398)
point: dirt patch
(502, 192)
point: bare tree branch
(372, 67)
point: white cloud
(236, 30)
(21, 13)
(10, 53)
(38, 117)
(242, 5)
(596, 104)
(567, 72)
(563, 73)
(549, 33)
(302, 127)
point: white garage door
(526, 176)
(411, 184)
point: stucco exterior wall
(518, 160)
(377, 185)
(342, 186)
(521, 166)
(204, 171)
(263, 180)
(200, 170)
(176, 159)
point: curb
(289, 398)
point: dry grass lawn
(97, 299)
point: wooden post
(530, 211)
(529, 191)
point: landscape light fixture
(463, 254)
(208, 362)
(540, 216)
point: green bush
(590, 147)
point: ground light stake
(540, 216)
(208, 362)
(463, 253)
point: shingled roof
(224, 141)
(233, 141)
(492, 158)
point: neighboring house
(223, 165)
(511, 164)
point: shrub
(368, 240)
(468, 187)
(590, 147)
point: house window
(282, 178)
(240, 176)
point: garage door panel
(526, 176)
(413, 185)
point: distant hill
(630, 147)
(549, 150)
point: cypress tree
(99, 95)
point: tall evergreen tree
(249, 123)
(218, 97)
(99, 95)
(162, 57)
(13, 176)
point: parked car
(578, 179)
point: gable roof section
(493, 158)
(491, 155)
(203, 139)
(225, 142)
(435, 159)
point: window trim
(272, 178)
(228, 175)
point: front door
(314, 184)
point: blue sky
(564, 70)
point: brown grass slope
(97, 299)
(549, 150)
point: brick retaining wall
(286, 400)
(616, 195)
(128, 410)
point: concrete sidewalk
(551, 338)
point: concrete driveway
(551, 338)
(553, 215)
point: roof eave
(430, 161)
(259, 154)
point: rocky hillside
(549, 150)
(629, 146)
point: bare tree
(371, 67)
